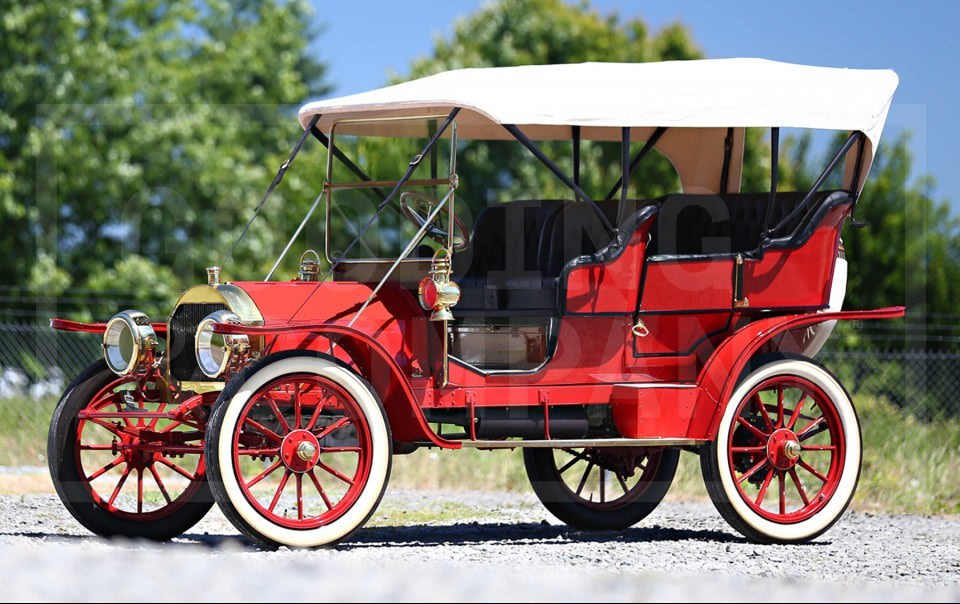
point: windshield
(357, 188)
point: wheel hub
(133, 455)
(300, 451)
(783, 449)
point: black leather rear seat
(519, 249)
(690, 225)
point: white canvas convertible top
(601, 98)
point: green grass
(23, 431)
(908, 465)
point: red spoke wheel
(786, 459)
(299, 451)
(125, 474)
(601, 488)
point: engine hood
(332, 301)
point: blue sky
(364, 41)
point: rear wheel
(299, 451)
(786, 460)
(123, 475)
(601, 488)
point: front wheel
(786, 460)
(601, 488)
(299, 451)
(120, 464)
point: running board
(577, 443)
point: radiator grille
(183, 330)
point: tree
(149, 129)
(523, 32)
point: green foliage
(145, 128)
(911, 252)
(150, 129)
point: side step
(577, 443)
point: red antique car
(601, 336)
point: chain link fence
(906, 389)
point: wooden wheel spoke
(763, 488)
(343, 421)
(815, 427)
(263, 429)
(757, 449)
(758, 403)
(819, 448)
(800, 489)
(116, 491)
(623, 484)
(795, 414)
(316, 414)
(783, 493)
(264, 474)
(177, 468)
(346, 449)
(113, 428)
(160, 408)
(139, 490)
(267, 452)
(583, 479)
(323, 494)
(580, 456)
(283, 483)
(299, 478)
(812, 470)
(160, 485)
(603, 495)
(297, 407)
(116, 462)
(334, 472)
(753, 429)
(780, 395)
(276, 411)
(752, 470)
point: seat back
(507, 239)
(728, 224)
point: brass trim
(234, 297)
(203, 387)
(236, 300)
(370, 184)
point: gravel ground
(436, 546)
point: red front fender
(722, 370)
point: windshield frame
(329, 186)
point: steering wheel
(416, 208)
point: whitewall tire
(299, 451)
(786, 460)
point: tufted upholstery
(732, 223)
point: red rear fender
(722, 370)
